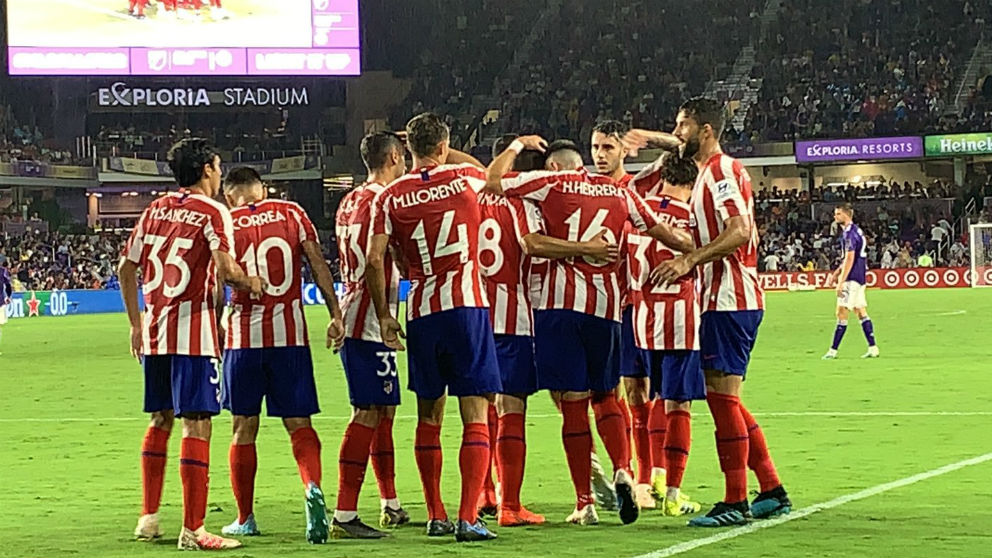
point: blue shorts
(183, 384)
(370, 368)
(282, 375)
(727, 338)
(675, 375)
(576, 352)
(632, 364)
(515, 355)
(452, 350)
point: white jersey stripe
(163, 332)
(255, 328)
(279, 324)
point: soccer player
(432, 215)
(6, 290)
(850, 278)
(578, 333)
(666, 329)
(369, 365)
(732, 302)
(183, 243)
(267, 353)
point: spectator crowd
(47, 261)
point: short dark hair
(425, 132)
(679, 171)
(377, 146)
(706, 111)
(562, 144)
(846, 207)
(613, 128)
(187, 159)
(527, 160)
(242, 176)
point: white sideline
(799, 514)
(841, 414)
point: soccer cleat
(585, 516)
(644, 495)
(658, 486)
(724, 515)
(355, 529)
(316, 509)
(518, 518)
(148, 528)
(831, 355)
(771, 503)
(393, 517)
(679, 506)
(625, 497)
(488, 506)
(247, 529)
(473, 532)
(602, 488)
(440, 528)
(872, 352)
(202, 540)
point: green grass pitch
(71, 427)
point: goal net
(981, 255)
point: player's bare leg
(678, 436)
(473, 459)
(511, 456)
(637, 394)
(243, 461)
(306, 450)
(194, 469)
(869, 331)
(427, 450)
(613, 432)
(356, 446)
(154, 450)
(384, 466)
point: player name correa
(181, 215)
(429, 194)
(257, 219)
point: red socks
(625, 415)
(640, 415)
(352, 462)
(383, 460)
(427, 450)
(511, 454)
(731, 444)
(194, 468)
(473, 460)
(306, 450)
(758, 459)
(577, 439)
(677, 443)
(153, 453)
(488, 485)
(612, 431)
(657, 431)
(244, 463)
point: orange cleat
(519, 518)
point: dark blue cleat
(440, 528)
(473, 532)
(772, 503)
(724, 515)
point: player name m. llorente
(119, 94)
(432, 193)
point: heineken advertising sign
(958, 144)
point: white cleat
(872, 352)
(831, 355)
(585, 516)
(644, 496)
(602, 487)
(202, 540)
(148, 528)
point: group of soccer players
(530, 274)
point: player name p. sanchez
(178, 215)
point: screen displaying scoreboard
(183, 37)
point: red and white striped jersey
(504, 266)
(173, 244)
(647, 183)
(432, 216)
(722, 191)
(269, 237)
(354, 228)
(666, 317)
(578, 206)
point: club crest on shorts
(387, 387)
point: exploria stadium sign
(120, 95)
